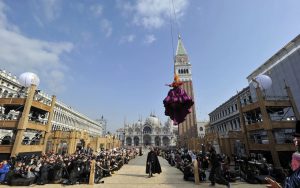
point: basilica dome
(153, 120)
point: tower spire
(180, 48)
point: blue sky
(114, 57)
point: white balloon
(264, 81)
(26, 79)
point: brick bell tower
(183, 68)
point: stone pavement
(133, 175)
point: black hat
(297, 130)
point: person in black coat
(152, 164)
(215, 171)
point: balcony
(9, 124)
(12, 101)
(30, 148)
(250, 106)
(41, 106)
(283, 124)
(6, 148)
(254, 126)
(285, 147)
(279, 103)
(256, 146)
(36, 126)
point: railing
(247, 102)
(282, 118)
(276, 98)
(259, 141)
(25, 141)
(253, 121)
(284, 140)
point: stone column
(56, 140)
(72, 142)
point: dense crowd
(73, 169)
(223, 169)
(65, 169)
(183, 160)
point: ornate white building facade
(151, 132)
(65, 117)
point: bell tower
(183, 68)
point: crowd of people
(252, 169)
(222, 169)
(218, 165)
(65, 169)
(73, 169)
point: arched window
(136, 141)
(166, 141)
(137, 130)
(128, 141)
(147, 130)
(130, 131)
(5, 93)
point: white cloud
(97, 9)
(57, 77)
(153, 14)
(150, 39)
(105, 24)
(19, 53)
(38, 20)
(127, 39)
(3, 18)
(106, 27)
(52, 9)
(2, 15)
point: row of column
(141, 140)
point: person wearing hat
(152, 164)
(292, 181)
(215, 171)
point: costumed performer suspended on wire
(177, 104)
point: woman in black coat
(152, 165)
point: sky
(114, 57)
